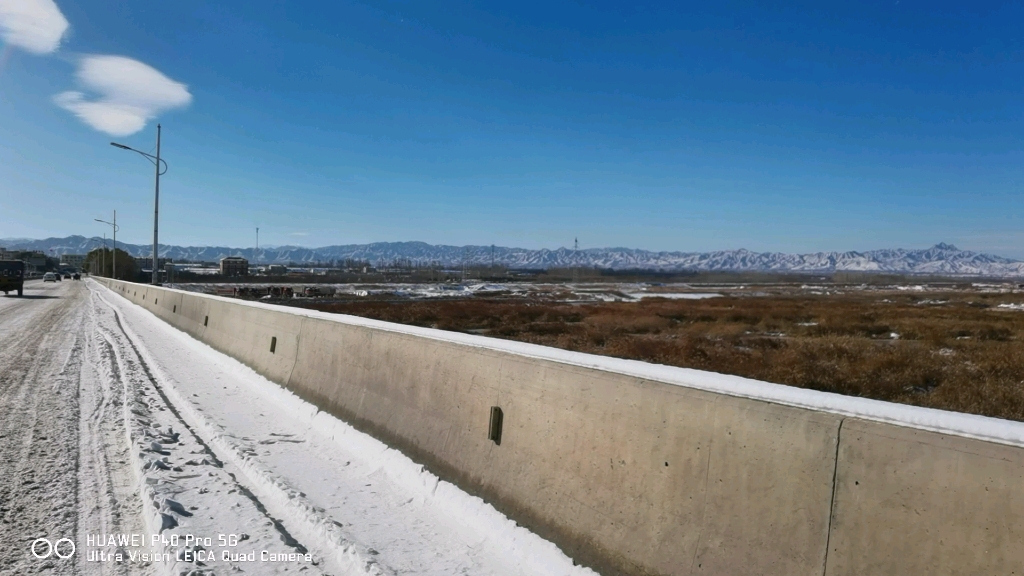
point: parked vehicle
(77, 276)
(49, 277)
(12, 276)
(318, 291)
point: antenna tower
(575, 261)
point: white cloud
(128, 94)
(33, 25)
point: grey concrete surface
(917, 502)
(631, 476)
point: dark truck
(12, 276)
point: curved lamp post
(113, 273)
(156, 202)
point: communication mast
(575, 261)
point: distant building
(72, 260)
(146, 262)
(234, 266)
(277, 270)
(36, 260)
(171, 270)
(5, 255)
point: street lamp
(156, 201)
(114, 224)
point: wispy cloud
(127, 92)
(33, 25)
(299, 234)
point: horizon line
(942, 245)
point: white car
(49, 277)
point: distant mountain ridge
(941, 259)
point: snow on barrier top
(942, 421)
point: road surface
(148, 452)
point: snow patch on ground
(673, 295)
(185, 486)
(363, 507)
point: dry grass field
(954, 350)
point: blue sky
(670, 126)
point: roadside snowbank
(361, 505)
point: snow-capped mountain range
(941, 259)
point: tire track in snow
(109, 485)
(146, 424)
(306, 519)
(419, 524)
(38, 432)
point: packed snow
(360, 506)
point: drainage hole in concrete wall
(273, 344)
(157, 301)
(494, 429)
(175, 311)
(206, 321)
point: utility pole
(113, 226)
(103, 256)
(257, 249)
(156, 212)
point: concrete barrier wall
(916, 502)
(634, 476)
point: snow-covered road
(114, 423)
(64, 456)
